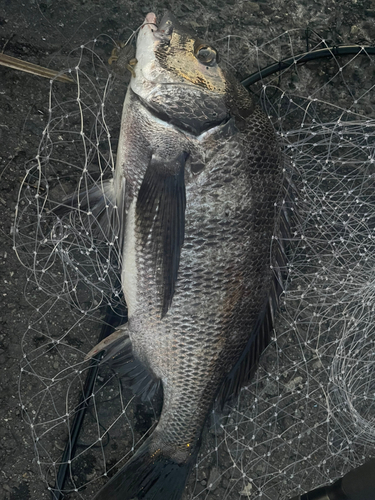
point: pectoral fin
(160, 213)
(101, 210)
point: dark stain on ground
(20, 493)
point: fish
(194, 203)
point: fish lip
(150, 20)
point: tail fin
(149, 475)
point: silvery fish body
(197, 183)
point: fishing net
(307, 417)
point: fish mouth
(151, 72)
(162, 31)
(150, 19)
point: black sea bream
(197, 186)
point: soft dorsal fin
(160, 213)
(260, 337)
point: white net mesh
(308, 415)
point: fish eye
(206, 55)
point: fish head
(176, 73)
(170, 53)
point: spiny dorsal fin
(260, 337)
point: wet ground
(44, 33)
